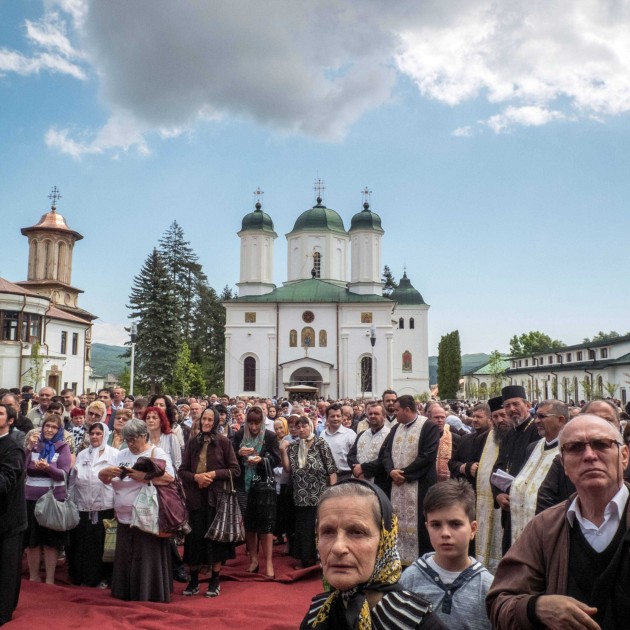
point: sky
(493, 136)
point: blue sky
(494, 141)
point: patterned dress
(310, 482)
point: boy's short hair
(448, 493)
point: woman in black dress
(258, 452)
(312, 469)
(208, 462)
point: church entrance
(305, 381)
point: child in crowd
(455, 583)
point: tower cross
(319, 188)
(259, 195)
(54, 196)
(367, 193)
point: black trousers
(10, 575)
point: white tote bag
(144, 514)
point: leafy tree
(449, 365)
(496, 370)
(603, 336)
(533, 342)
(587, 387)
(388, 280)
(159, 333)
(554, 387)
(611, 388)
(36, 370)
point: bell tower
(50, 248)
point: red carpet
(246, 601)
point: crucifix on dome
(319, 188)
(54, 196)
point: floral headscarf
(386, 573)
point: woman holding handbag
(49, 461)
(95, 501)
(142, 569)
(207, 465)
(258, 454)
(312, 469)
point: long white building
(313, 334)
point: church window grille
(366, 374)
(317, 264)
(249, 374)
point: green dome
(258, 220)
(366, 220)
(405, 293)
(319, 218)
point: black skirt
(198, 550)
(38, 536)
(302, 544)
(260, 514)
(85, 552)
(142, 566)
(285, 513)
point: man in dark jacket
(12, 517)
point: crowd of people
(506, 513)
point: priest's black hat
(495, 403)
(513, 391)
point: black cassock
(12, 524)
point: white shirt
(600, 537)
(126, 490)
(340, 443)
(89, 492)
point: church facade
(325, 332)
(42, 313)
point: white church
(324, 332)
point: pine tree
(388, 280)
(159, 336)
(185, 273)
(449, 365)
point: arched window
(401, 323)
(412, 323)
(323, 339)
(317, 264)
(47, 260)
(293, 339)
(406, 361)
(308, 337)
(366, 374)
(249, 374)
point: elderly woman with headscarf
(141, 565)
(48, 464)
(258, 453)
(208, 463)
(357, 544)
(312, 468)
(95, 501)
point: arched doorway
(303, 380)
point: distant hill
(106, 359)
(468, 361)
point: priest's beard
(500, 433)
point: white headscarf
(94, 451)
(303, 447)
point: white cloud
(315, 67)
(53, 50)
(528, 116)
(463, 132)
(110, 334)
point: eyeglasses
(542, 416)
(600, 445)
(93, 414)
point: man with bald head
(570, 568)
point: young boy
(455, 583)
